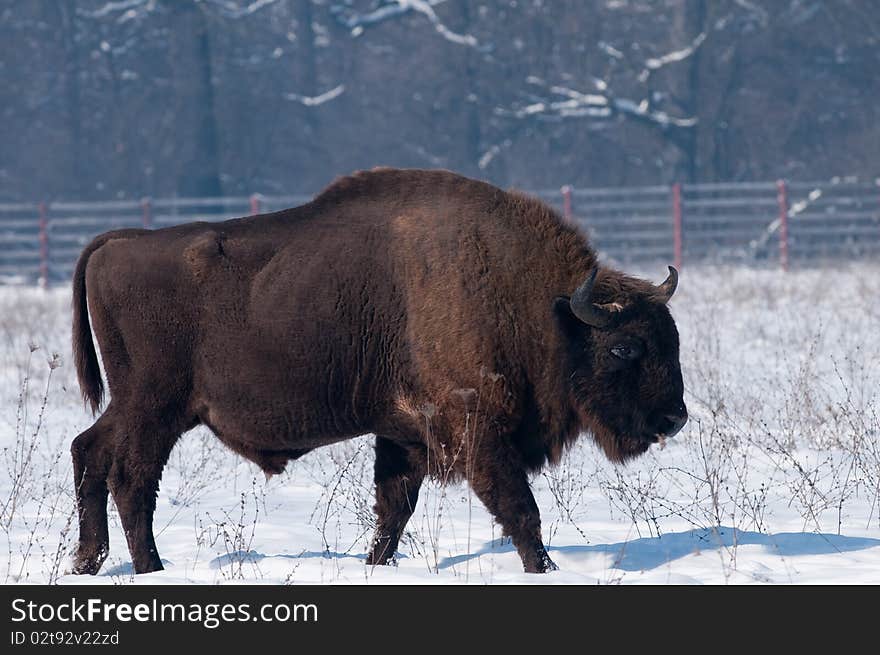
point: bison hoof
(149, 568)
(540, 563)
(374, 559)
(382, 552)
(148, 564)
(88, 561)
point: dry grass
(782, 376)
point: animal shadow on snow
(127, 568)
(254, 556)
(247, 557)
(650, 552)
(636, 555)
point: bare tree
(190, 48)
(122, 98)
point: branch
(656, 63)
(231, 9)
(594, 105)
(425, 8)
(357, 22)
(773, 226)
(137, 8)
(492, 152)
(130, 9)
(314, 101)
(756, 10)
(643, 111)
(610, 50)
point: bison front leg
(501, 484)
(134, 477)
(399, 473)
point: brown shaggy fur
(421, 306)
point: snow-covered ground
(776, 479)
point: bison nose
(676, 423)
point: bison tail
(87, 369)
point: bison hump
(204, 254)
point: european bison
(470, 329)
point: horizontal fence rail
(777, 223)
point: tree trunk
(67, 17)
(689, 22)
(197, 151)
(307, 69)
(460, 20)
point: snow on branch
(231, 9)
(357, 22)
(755, 10)
(129, 8)
(490, 154)
(643, 111)
(603, 105)
(136, 8)
(772, 228)
(610, 50)
(314, 101)
(427, 10)
(655, 63)
(571, 103)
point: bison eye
(625, 351)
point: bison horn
(669, 285)
(583, 307)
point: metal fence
(776, 223)
(40, 242)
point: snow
(775, 480)
(357, 22)
(314, 101)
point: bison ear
(571, 325)
(562, 306)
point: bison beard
(409, 304)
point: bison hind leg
(92, 452)
(133, 480)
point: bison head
(621, 351)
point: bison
(470, 329)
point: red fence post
(146, 213)
(255, 203)
(782, 199)
(676, 225)
(44, 244)
(566, 202)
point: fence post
(782, 199)
(146, 213)
(676, 225)
(44, 244)
(566, 202)
(255, 203)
